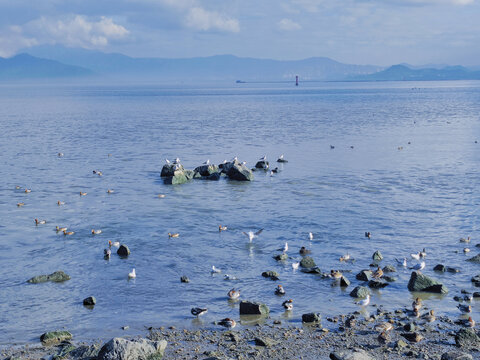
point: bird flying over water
(251, 235)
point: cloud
(201, 19)
(288, 25)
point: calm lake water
(425, 195)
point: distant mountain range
(57, 62)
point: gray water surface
(425, 195)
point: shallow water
(426, 195)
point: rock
(213, 177)
(421, 282)
(271, 275)
(89, 301)
(377, 256)
(389, 268)
(476, 294)
(467, 338)
(123, 251)
(355, 354)
(377, 284)
(307, 262)
(389, 278)
(168, 170)
(206, 170)
(311, 318)
(237, 171)
(452, 270)
(364, 275)
(125, 349)
(281, 257)
(179, 177)
(360, 292)
(264, 341)
(475, 259)
(232, 336)
(412, 337)
(456, 355)
(55, 337)
(409, 327)
(400, 344)
(262, 164)
(344, 282)
(440, 268)
(184, 279)
(64, 352)
(85, 352)
(253, 308)
(57, 276)
(313, 270)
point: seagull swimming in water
(198, 311)
(132, 274)
(251, 235)
(310, 236)
(419, 267)
(415, 256)
(295, 265)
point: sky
(377, 32)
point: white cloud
(73, 31)
(288, 25)
(201, 19)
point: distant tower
(296, 80)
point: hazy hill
(220, 67)
(404, 73)
(24, 66)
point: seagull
(177, 161)
(280, 290)
(228, 323)
(229, 277)
(222, 228)
(466, 250)
(167, 162)
(345, 257)
(132, 274)
(235, 159)
(263, 158)
(364, 302)
(288, 304)
(310, 236)
(402, 262)
(233, 294)
(161, 196)
(251, 235)
(295, 265)
(271, 173)
(280, 157)
(198, 311)
(207, 162)
(415, 256)
(285, 248)
(96, 232)
(215, 270)
(419, 267)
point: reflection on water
(425, 195)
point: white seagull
(167, 161)
(419, 267)
(132, 275)
(364, 302)
(310, 236)
(415, 256)
(251, 235)
(402, 262)
(215, 270)
(263, 158)
(207, 162)
(295, 265)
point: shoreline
(338, 337)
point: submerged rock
(271, 275)
(421, 282)
(312, 318)
(389, 268)
(125, 349)
(206, 170)
(307, 262)
(467, 338)
(123, 251)
(312, 270)
(57, 276)
(237, 171)
(377, 284)
(475, 259)
(253, 308)
(262, 164)
(55, 337)
(281, 257)
(364, 275)
(377, 256)
(360, 292)
(440, 268)
(89, 301)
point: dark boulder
(262, 164)
(253, 308)
(467, 338)
(126, 349)
(55, 337)
(312, 318)
(123, 251)
(360, 292)
(421, 282)
(307, 262)
(57, 276)
(364, 275)
(89, 301)
(238, 171)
